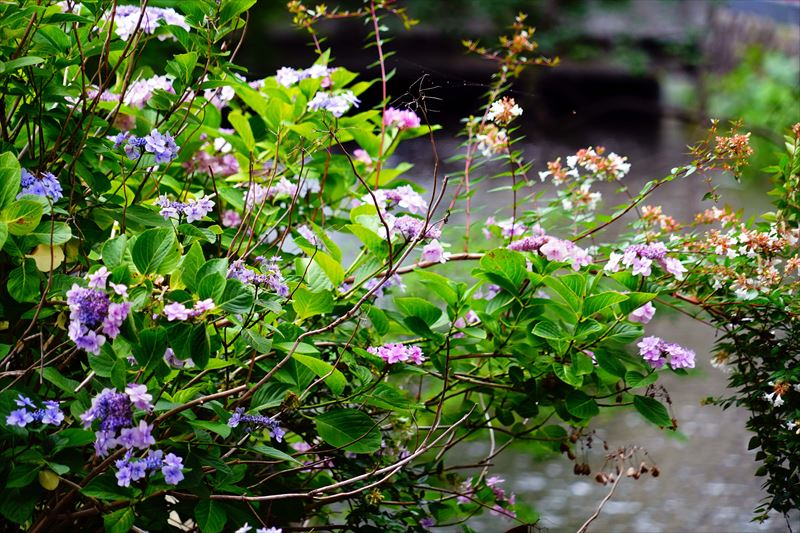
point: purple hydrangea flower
(336, 103)
(139, 396)
(433, 252)
(176, 311)
(272, 276)
(643, 314)
(134, 148)
(172, 469)
(656, 351)
(411, 228)
(19, 417)
(231, 219)
(251, 422)
(117, 313)
(46, 185)
(162, 146)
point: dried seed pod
(577, 469)
(605, 445)
(573, 438)
(631, 471)
(563, 448)
(655, 471)
(571, 455)
(586, 469)
(601, 478)
(643, 468)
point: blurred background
(642, 78)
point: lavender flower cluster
(91, 308)
(126, 19)
(336, 103)
(194, 209)
(114, 411)
(162, 146)
(130, 469)
(553, 249)
(256, 193)
(252, 422)
(411, 228)
(28, 413)
(641, 257)
(401, 119)
(656, 351)
(403, 197)
(271, 276)
(45, 185)
(140, 91)
(398, 353)
(288, 76)
(179, 311)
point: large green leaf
(579, 404)
(307, 304)
(652, 410)
(23, 282)
(420, 308)
(507, 265)
(349, 429)
(334, 378)
(154, 250)
(597, 302)
(119, 521)
(210, 516)
(22, 216)
(48, 233)
(9, 178)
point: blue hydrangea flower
(163, 147)
(172, 469)
(28, 413)
(46, 185)
(251, 422)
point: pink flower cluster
(178, 311)
(401, 119)
(398, 353)
(656, 351)
(553, 249)
(640, 258)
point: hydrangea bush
(228, 307)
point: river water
(707, 481)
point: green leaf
(191, 342)
(236, 298)
(652, 410)
(10, 173)
(307, 304)
(210, 516)
(105, 487)
(153, 250)
(53, 233)
(580, 405)
(597, 302)
(257, 341)
(23, 282)
(17, 505)
(3, 234)
(18, 63)
(420, 308)
(22, 216)
(507, 265)
(22, 475)
(212, 286)
(182, 65)
(190, 264)
(636, 300)
(234, 8)
(242, 127)
(114, 251)
(274, 453)
(51, 374)
(610, 363)
(549, 330)
(149, 351)
(335, 379)
(223, 430)
(119, 521)
(349, 429)
(570, 297)
(636, 379)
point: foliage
(188, 336)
